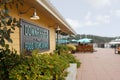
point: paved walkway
(100, 65)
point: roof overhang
(52, 10)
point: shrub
(66, 49)
(35, 66)
(8, 59)
(62, 49)
(40, 67)
(71, 47)
(70, 59)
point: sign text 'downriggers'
(34, 37)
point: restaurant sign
(34, 37)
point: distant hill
(98, 39)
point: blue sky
(98, 17)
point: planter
(85, 48)
(72, 72)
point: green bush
(70, 58)
(8, 59)
(40, 67)
(71, 47)
(35, 66)
(63, 51)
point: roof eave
(50, 8)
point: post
(57, 37)
(58, 29)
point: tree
(7, 22)
(8, 57)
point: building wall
(43, 22)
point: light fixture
(58, 28)
(34, 17)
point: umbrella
(73, 40)
(84, 40)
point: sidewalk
(100, 65)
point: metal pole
(57, 37)
(58, 29)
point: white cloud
(76, 24)
(88, 20)
(111, 12)
(73, 23)
(117, 12)
(99, 3)
(103, 18)
(88, 16)
(90, 23)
